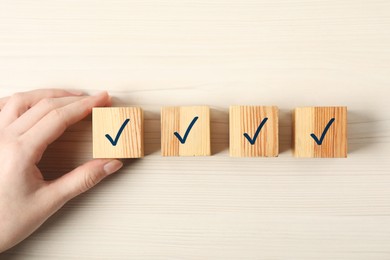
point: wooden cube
(320, 132)
(118, 132)
(185, 131)
(254, 131)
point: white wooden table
(162, 52)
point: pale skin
(29, 122)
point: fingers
(19, 103)
(82, 179)
(53, 125)
(37, 112)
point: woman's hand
(29, 122)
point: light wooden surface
(157, 53)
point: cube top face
(117, 132)
(185, 131)
(320, 132)
(254, 131)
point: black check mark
(115, 142)
(319, 142)
(183, 140)
(253, 140)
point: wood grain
(247, 119)
(219, 53)
(313, 120)
(108, 120)
(178, 120)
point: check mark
(183, 140)
(115, 142)
(253, 140)
(319, 142)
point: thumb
(84, 177)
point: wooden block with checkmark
(117, 132)
(185, 131)
(254, 131)
(320, 132)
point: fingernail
(109, 101)
(76, 92)
(112, 166)
(101, 93)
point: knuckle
(58, 114)
(50, 92)
(17, 97)
(90, 180)
(85, 105)
(3, 102)
(47, 102)
(19, 101)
